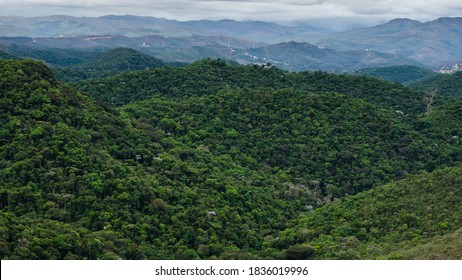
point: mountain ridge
(432, 43)
(132, 26)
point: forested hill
(55, 57)
(6, 55)
(216, 173)
(207, 77)
(401, 220)
(404, 74)
(115, 61)
(449, 85)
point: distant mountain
(398, 42)
(152, 44)
(404, 74)
(432, 43)
(137, 26)
(291, 56)
(295, 56)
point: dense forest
(108, 63)
(404, 74)
(219, 160)
(56, 57)
(449, 85)
(6, 54)
(391, 222)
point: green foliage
(404, 74)
(386, 220)
(299, 252)
(113, 62)
(68, 161)
(55, 56)
(208, 77)
(4, 54)
(343, 144)
(446, 85)
(218, 161)
(442, 247)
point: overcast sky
(268, 10)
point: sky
(279, 11)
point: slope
(57, 57)
(136, 26)
(441, 247)
(209, 76)
(6, 54)
(383, 222)
(295, 56)
(448, 85)
(201, 176)
(82, 181)
(115, 61)
(404, 74)
(431, 43)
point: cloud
(270, 10)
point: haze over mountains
(136, 26)
(431, 44)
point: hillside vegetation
(215, 161)
(447, 85)
(405, 219)
(109, 63)
(6, 55)
(55, 57)
(404, 74)
(208, 77)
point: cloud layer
(269, 10)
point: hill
(6, 55)
(82, 180)
(399, 220)
(441, 247)
(122, 59)
(210, 76)
(57, 57)
(447, 85)
(208, 171)
(115, 61)
(404, 74)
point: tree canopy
(222, 161)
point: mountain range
(136, 26)
(401, 41)
(434, 43)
